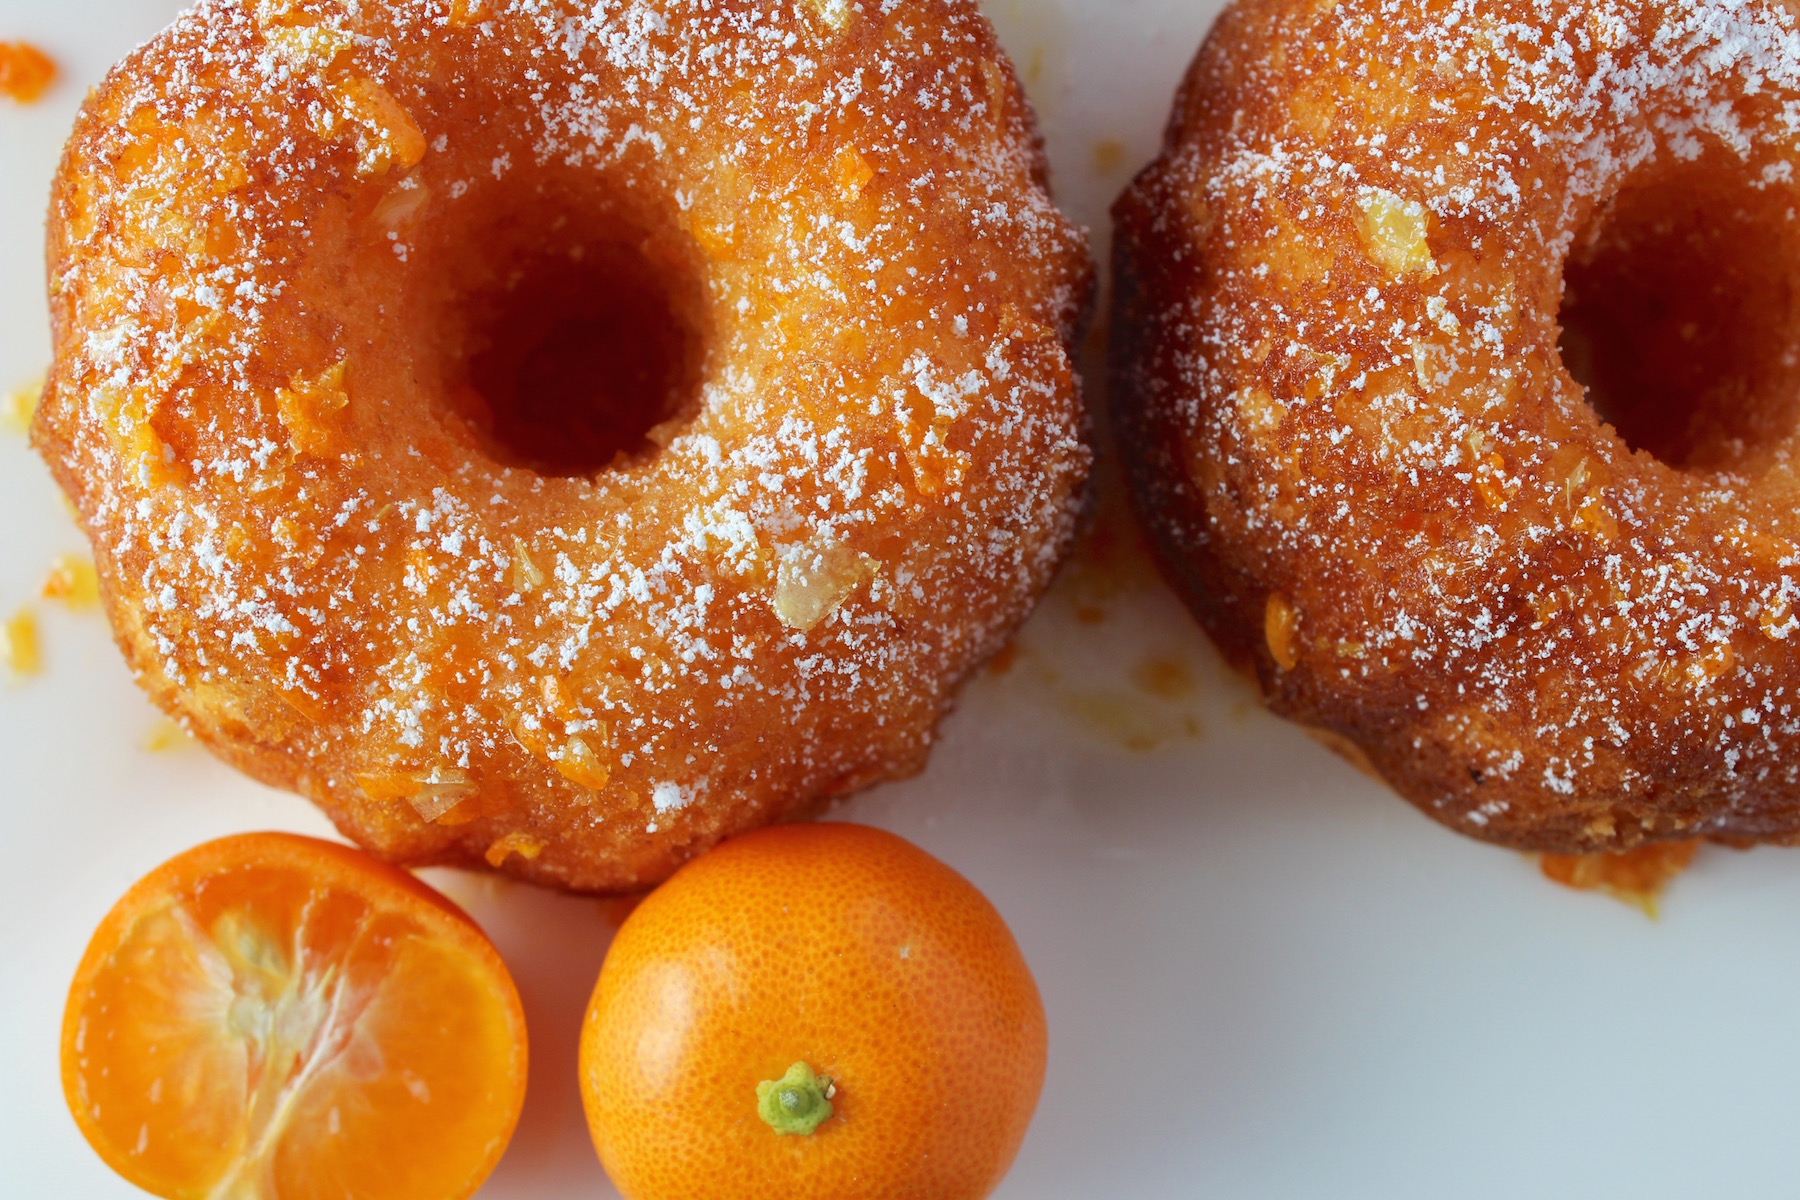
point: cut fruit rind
(275, 1016)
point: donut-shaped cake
(1457, 359)
(561, 435)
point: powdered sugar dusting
(1344, 391)
(258, 237)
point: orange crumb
(19, 644)
(17, 406)
(25, 72)
(166, 736)
(1635, 877)
(1109, 156)
(73, 581)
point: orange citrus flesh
(841, 965)
(276, 1016)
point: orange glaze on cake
(1456, 363)
(556, 436)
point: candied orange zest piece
(388, 785)
(389, 137)
(309, 410)
(73, 581)
(527, 576)
(521, 844)
(18, 405)
(851, 172)
(1393, 230)
(19, 647)
(557, 700)
(814, 580)
(271, 1015)
(26, 72)
(580, 765)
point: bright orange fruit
(276, 1016)
(812, 1010)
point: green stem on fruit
(796, 1103)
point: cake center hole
(580, 359)
(1679, 317)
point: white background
(1265, 975)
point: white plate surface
(1265, 975)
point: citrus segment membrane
(270, 1016)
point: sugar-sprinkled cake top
(1352, 269)
(283, 239)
